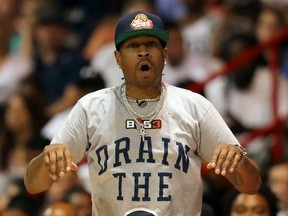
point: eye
(260, 210)
(132, 45)
(240, 209)
(151, 44)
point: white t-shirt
(160, 176)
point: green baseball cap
(140, 23)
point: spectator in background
(171, 11)
(184, 67)
(239, 16)
(13, 188)
(270, 23)
(13, 67)
(277, 177)
(57, 69)
(283, 4)
(262, 203)
(58, 192)
(242, 15)
(80, 199)
(244, 97)
(101, 35)
(10, 8)
(90, 81)
(60, 209)
(20, 136)
(16, 200)
(23, 205)
(199, 27)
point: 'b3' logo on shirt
(154, 124)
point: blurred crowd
(233, 52)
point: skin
(250, 205)
(56, 159)
(17, 116)
(133, 53)
(269, 22)
(278, 182)
(60, 209)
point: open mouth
(144, 67)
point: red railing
(275, 128)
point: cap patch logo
(141, 21)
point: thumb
(74, 166)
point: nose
(143, 51)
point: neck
(143, 93)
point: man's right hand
(58, 159)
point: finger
(219, 163)
(74, 166)
(237, 159)
(68, 158)
(214, 159)
(61, 164)
(228, 161)
(52, 161)
(46, 160)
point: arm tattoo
(250, 168)
(237, 179)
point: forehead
(250, 200)
(279, 170)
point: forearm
(246, 177)
(37, 177)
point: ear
(165, 50)
(117, 57)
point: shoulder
(181, 98)
(100, 97)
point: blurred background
(52, 52)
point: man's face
(176, 53)
(141, 59)
(252, 205)
(278, 182)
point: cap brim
(161, 34)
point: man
(264, 203)
(144, 140)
